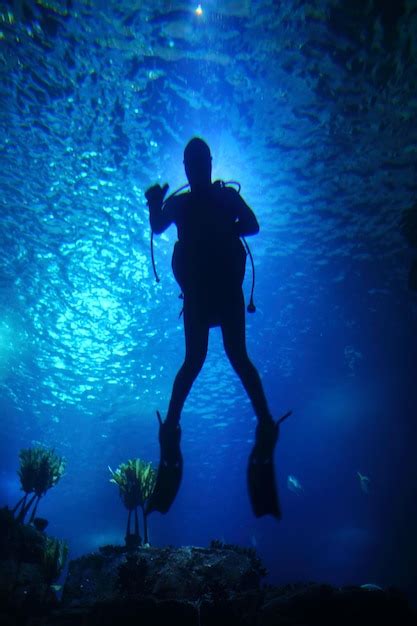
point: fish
(294, 484)
(371, 587)
(364, 482)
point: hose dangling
(251, 308)
(158, 280)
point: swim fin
(169, 475)
(262, 486)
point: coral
(30, 562)
(136, 481)
(40, 469)
(54, 558)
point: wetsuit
(209, 264)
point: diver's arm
(160, 218)
(246, 223)
(160, 215)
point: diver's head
(197, 163)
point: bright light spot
(199, 10)
(58, 363)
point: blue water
(311, 106)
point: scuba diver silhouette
(209, 265)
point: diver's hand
(155, 195)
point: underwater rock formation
(211, 586)
(30, 562)
(188, 574)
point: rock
(187, 573)
(40, 523)
(322, 604)
(215, 586)
(24, 588)
(302, 603)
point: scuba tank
(251, 306)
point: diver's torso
(204, 218)
(208, 254)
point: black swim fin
(169, 475)
(262, 486)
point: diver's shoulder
(177, 201)
(230, 195)
(226, 190)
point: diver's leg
(234, 341)
(196, 343)
(169, 475)
(261, 479)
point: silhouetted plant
(40, 469)
(136, 481)
(54, 559)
